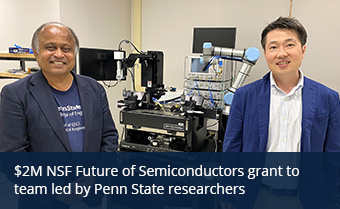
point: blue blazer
(30, 121)
(247, 127)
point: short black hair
(285, 23)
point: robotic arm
(247, 57)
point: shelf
(10, 56)
(13, 75)
(18, 57)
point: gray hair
(35, 38)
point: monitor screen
(97, 63)
(222, 37)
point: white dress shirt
(284, 134)
(285, 118)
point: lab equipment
(248, 57)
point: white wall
(167, 25)
(97, 23)
(20, 18)
(101, 24)
(18, 29)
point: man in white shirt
(284, 111)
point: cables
(198, 90)
(128, 42)
(193, 88)
(137, 50)
(207, 66)
(211, 125)
(109, 85)
(211, 98)
(133, 79)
